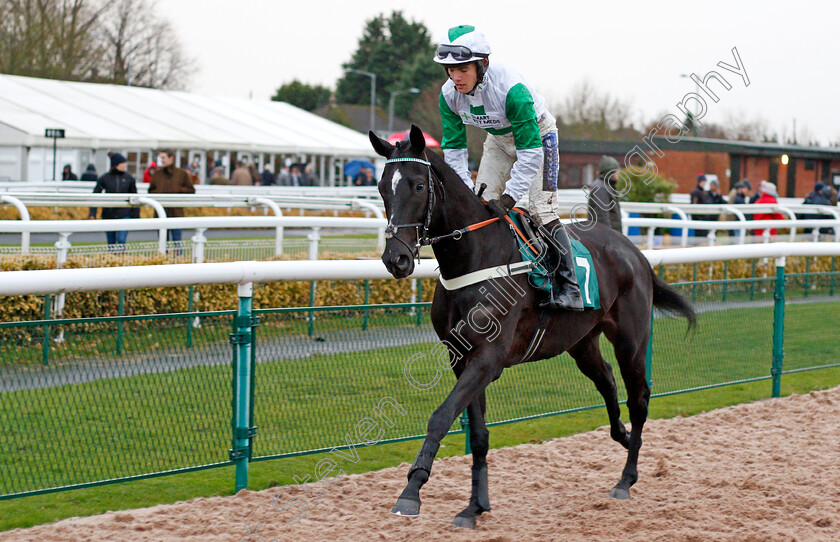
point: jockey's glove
(501, 206)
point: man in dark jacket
(67, 173)
(90, 173)
(603, 196)
(267, 176)
(700, 196)
(116, 181)
(170, 179)
(818, 197)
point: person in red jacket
(147, 175)
(768, 195)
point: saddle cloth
(539, 277)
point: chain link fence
(96, 400)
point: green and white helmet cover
(466, 36)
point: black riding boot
(565, 292)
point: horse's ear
(418, 141)
(382, 147)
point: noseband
(422, 240)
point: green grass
(29, 511)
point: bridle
(424, 240)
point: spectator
(267, 176)
(831, 193)
(714, 192)
(116, 181)
(170, 179)
(603, 196)
(217, 176)
(147, 175)
(739, 194)
(768, 195)
(193, 173)
(756, 195)
(364, 177)
(90, 173)
(67, 174)
(252, 171)
(310, 179)
(699, 196)
(284, 178)
(296, 178)
(241, 176)
(819, 196)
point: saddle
(533, 247)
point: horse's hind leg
(630, 349)
(587, 355)
(480, 444)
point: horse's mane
(444, 172)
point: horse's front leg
(480, 444)
(473, 380)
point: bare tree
(49, 38)
(740, 127)
(108, 41)
(590, 114)
(144, 50)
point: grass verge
(29, 511)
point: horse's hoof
(620, 493)
(467, 522)
(406, 508)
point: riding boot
(565, 292)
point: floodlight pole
(372, 94)
(391, 105)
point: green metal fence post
(45, 344)
(419, 300)
(725, 277)
(831, 288)
(807, 283)
(752, 282)
(694, 281)
(778, 327)
(190, 308)
(465, 427)
(243, 431)
(120, 312)
(367, 302)
(311, 316)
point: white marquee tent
(135, 121)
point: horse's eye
(419, 187)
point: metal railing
(88, 401)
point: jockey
(520, 153)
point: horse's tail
(671, 302)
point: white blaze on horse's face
(395, 181)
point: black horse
(495, 323)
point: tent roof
(99, 116)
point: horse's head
(406, 188)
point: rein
(424, 239)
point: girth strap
(475, 277)
(536, 339)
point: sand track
(763, 471)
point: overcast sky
(633, 50)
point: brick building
(731, 161)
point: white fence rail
(65, 228)
(119, 278)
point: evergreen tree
(307, 97)
(399, 52)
